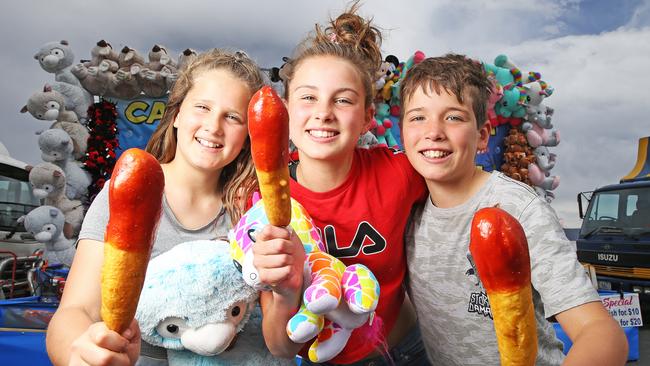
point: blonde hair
(237, 181)
(349, 37)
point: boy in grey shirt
(443, 125)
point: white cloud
(600, 102)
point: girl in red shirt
(359, 199)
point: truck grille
(642, 273)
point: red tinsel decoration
(100, 156)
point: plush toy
(151, 79)
(101, 51)
(538, 126)
(46, 223)
(57, 148)
(49, 105)
(194, 303)
(95, 75)
(536, 92)
(511, 104)
(57, 58)
(125, 84)
(187, 56)
(76, 98)
(386, 71)
(336, 300)
(96, 79)
(383, 129)
(539, 172)
(48, 183)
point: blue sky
(596, 16)
(594, 53)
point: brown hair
(237, 180)
(349, 37)
(456, 74)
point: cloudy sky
(595, 53)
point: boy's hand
(102, 346)
(279, 257)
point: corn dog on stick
(500, 251)
(135, 201)
(268, 126)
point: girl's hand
(279, 257)
(100, 346)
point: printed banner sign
(136, 121)
(626, 310)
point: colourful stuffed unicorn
(336, 300)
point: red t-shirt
(363, 221)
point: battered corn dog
(500, 251)
(135, 202)
(268, 126)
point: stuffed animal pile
(517, 103)
(85, 161)
(387, 106)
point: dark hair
(457, 74)
(349, 37)
(237, 180)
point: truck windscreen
(618, 211)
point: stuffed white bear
(194, 303)
(49, 105)
(48, 183)
(57, 148)
(46, 223)
(77, 99)
(57, 58)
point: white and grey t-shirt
(452, 306)
(170, 232)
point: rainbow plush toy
(336, 300)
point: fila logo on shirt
(366, 239)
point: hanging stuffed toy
(46, 223)
(151, 79)
(57, 148)
(57, 58)
(48, 183)
(49, 105)
(125, 84)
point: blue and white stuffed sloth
(194, 303)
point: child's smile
(441, 136)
